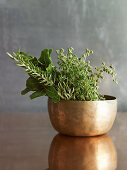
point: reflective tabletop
(28, 142)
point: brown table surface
(25, 140)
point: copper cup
(83, 118)
(82, 153)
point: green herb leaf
(26, 90)
(37, 94)
(53, 94)
(33, 85)
(45, 58)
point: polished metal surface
(83, 118)
(82, 153)
(28, 142)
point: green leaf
(45, 58)
(26, 90)
(50, 52)
(49, 69)
(34, 60)
(52, 93)
(37, 94)
(33, 85)
(25, 55)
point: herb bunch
(73, 79)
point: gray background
(32, 25)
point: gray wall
(33, 25)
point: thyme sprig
(73, 79)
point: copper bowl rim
(108, 98)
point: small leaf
(33, 84)
(11, 56)
(49, 69)
(50, 52)
(26, 90)
(45, 58)
(52, 93)
(37, 94)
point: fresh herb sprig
(73, 79)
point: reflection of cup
(82, 153)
